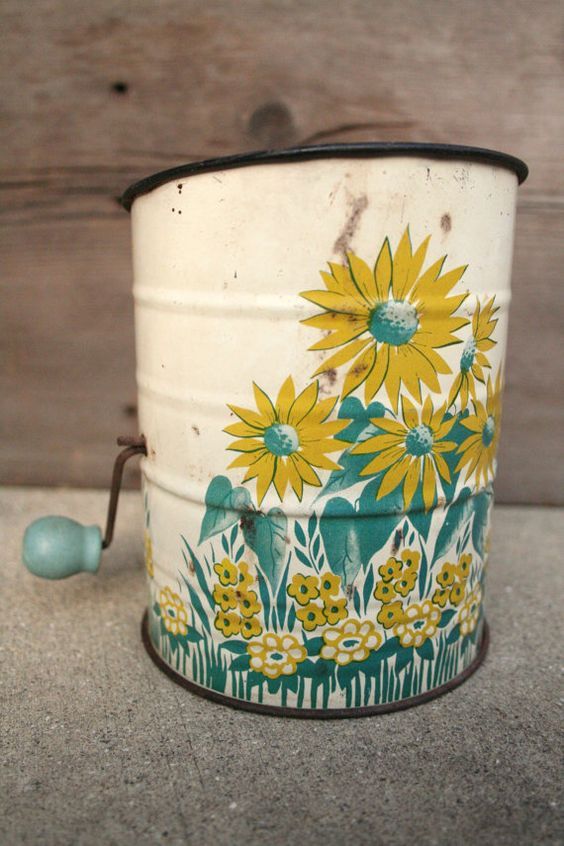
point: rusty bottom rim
(313, 713)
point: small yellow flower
(245, 578)
(447, 575)
(410, 559)
(227, 572)
(419, 623)
(229, 623)
(311, 616)
(390, 570)
(469, 614)
(390, 615)
(247, 601)
(353, 641)
(303, 588)
(335, 610)
(329, 586)
(384, 592)
(440, 597)
(173, 612)
(250, 627)
(276, 655)
(406, 584)
(464, 564)
(149, 565)
(457, 593)
(224, 597)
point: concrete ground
(99, 747)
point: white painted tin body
(227, 266)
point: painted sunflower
(474, 358)
(480, 448)
(411, 451)
(389, 321)
(282, 442)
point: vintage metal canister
(320, 349)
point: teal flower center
(418, 624)
(281, 439)
(488, 431)
(419, 441)
(276, 656)
(351, 643)
(394, 322)
(468, 355)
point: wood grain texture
(98, 95)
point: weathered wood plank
(98, 95)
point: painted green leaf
(404, 657)
(313, 645)
(453, 635)
(192, 636)
(224, 505)
(240, 663)
(157, 609)
(353, 535)
(300, 535)
(352, 409)
(239, 647)
(266, 534)
(456, 515)
(446, 617)
(482, 503)
(347, 673)
(426, 651)
(339, 527)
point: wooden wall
(96, 95)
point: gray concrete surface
(99, 747)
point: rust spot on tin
(396, 543)
(360, 368)
(191, 567)
(446, 222)
(357, 206)
(195, 429)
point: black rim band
(313, 713)
(328, 151)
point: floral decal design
(281, 443)
(353, 641)
(480, 448)
(474, 358)
(373, 592)
(173, 612)
(389, 321)
(149, 565)
(410, 452)
(276, 656)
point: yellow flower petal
(378, 373)
(394, 476)
(285, 398)
(306, 472)
(264, 405)
(401, 266)
(242, 430)
(359, 371)
(265, 475)
(363, 278)
(383, 461)
(342, 356)
(429, 484)
(410, 483)
(281, 477)
(348, 331)
(383, 271)
(246, 445)
(331, 301)
(303, 404)
(409, 413)
(427, 411)
(250, 417)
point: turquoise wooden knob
(57, 547)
